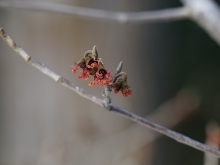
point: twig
(120, 150)
(42, 67)
(82, 92)
(122, 17)
(108, 88)
(204, 12)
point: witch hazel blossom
(74, 68)
(126, 92)
(91, 65)
(102, 77)
(84, 74)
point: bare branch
(122, 17)
(82, 92)
(133, 143)
(206, 13)
(48, 72)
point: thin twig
(124, 149)
(108, 88)
(82, 92)
(204, 12)
(43, 68)
(122, 17)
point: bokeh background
(173, 69)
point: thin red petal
(74, 68)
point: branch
(82, 92)
(206, 13)
(171, 109)
(122, 17)
(40, 66)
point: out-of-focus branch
(206, 13)
(122, 17)
(172, 134)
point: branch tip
(95, 52)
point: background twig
(122, 17)
(205, 13)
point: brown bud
(124, 86)
(95, 52)
(117, 85)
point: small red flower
(116, 91)
(74, 68)
(84, 74)
(93, 64)
(126, 92)
(103, 73)
(103, 77)
(91, 83)
(82, 64)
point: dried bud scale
(91, 65)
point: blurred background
(173, 69)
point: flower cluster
(91, 65)
(121, 84)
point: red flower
(102, 77)
(126, 92)
(74, 68)
(93, 64)
(82, 64)
(84, 74)
(91, 83)
(116, 91)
